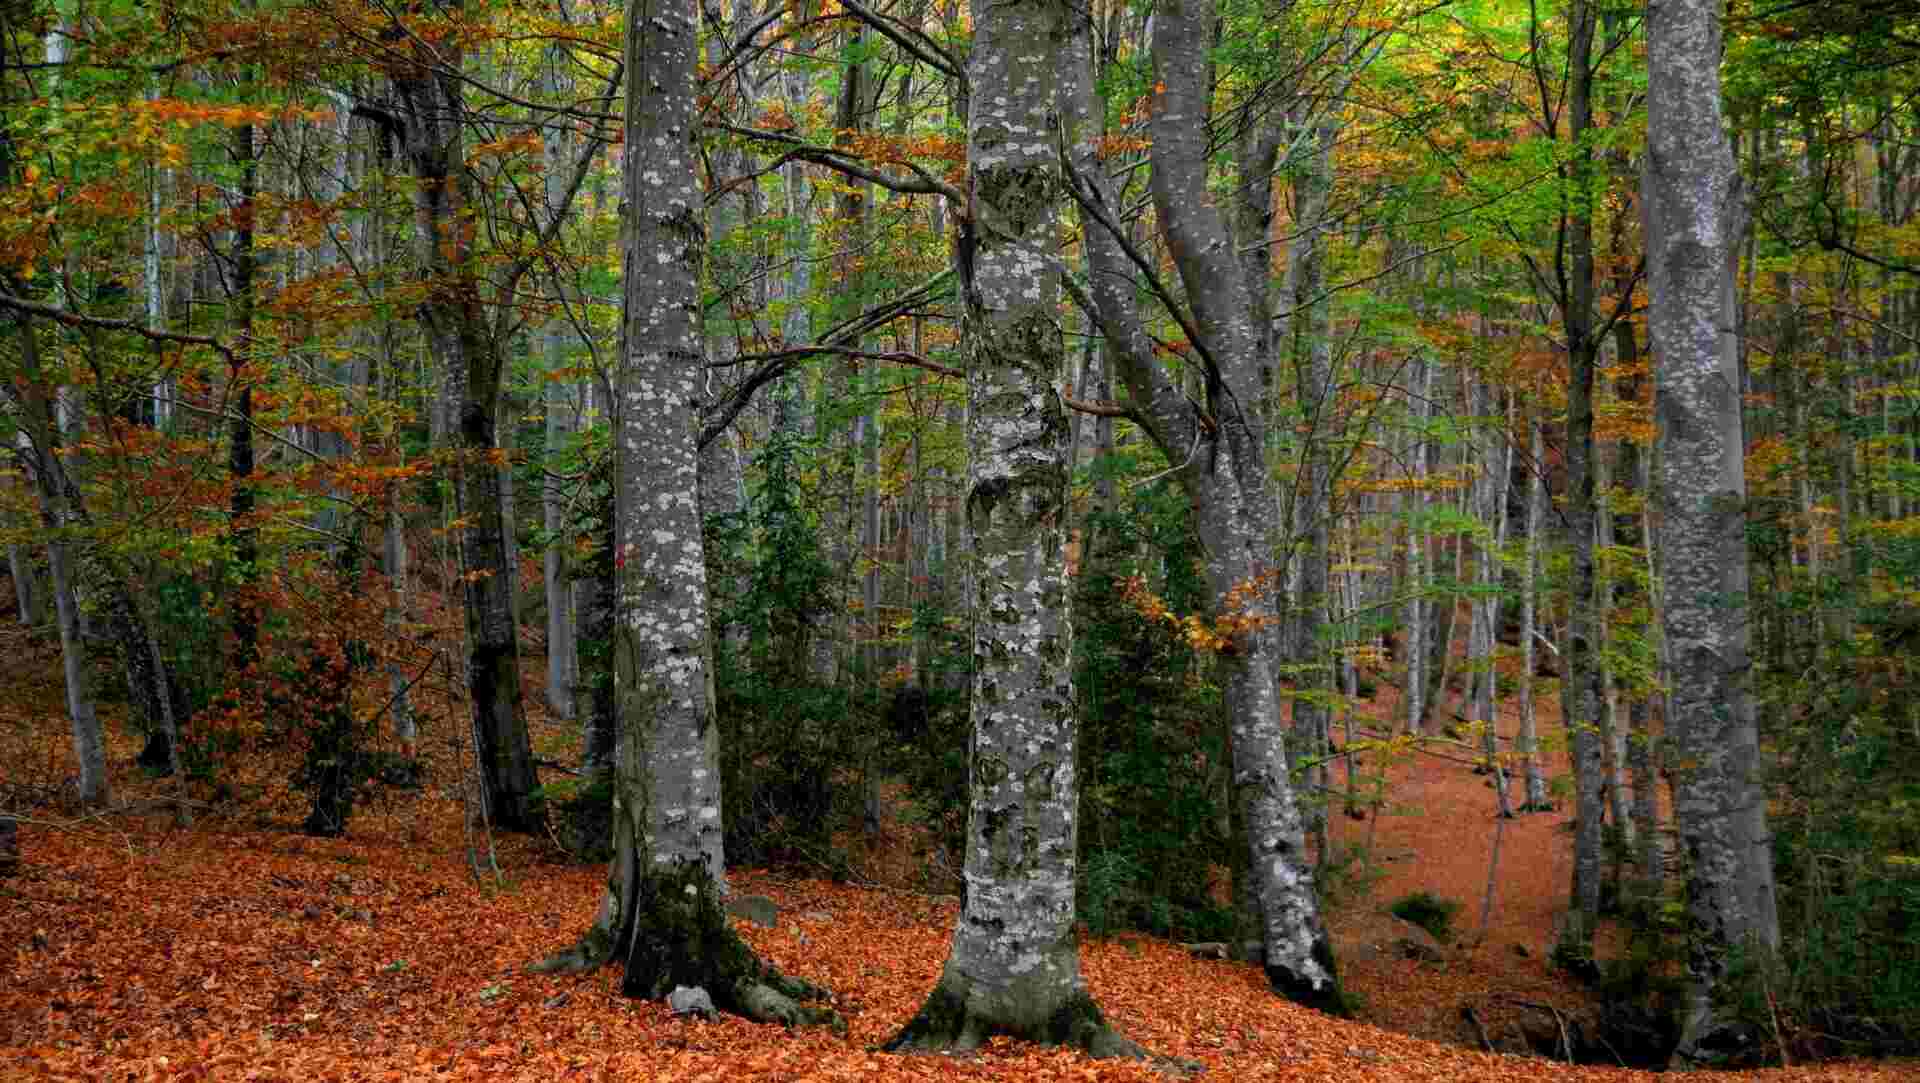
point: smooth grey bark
(1014, 966)
(1536, 780)
(1617, 787)
(1693, 208)
(1218, 452)
(39, 448)
(562, 647)
(1412, 500)
(429, 94)
(1490, 497)
(1310, 331)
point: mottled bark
(1014, 967)
(593, 604)
(661, 915)
(1692, 201)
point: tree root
(948, 1023)
(675, 933)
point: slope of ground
(239, 949)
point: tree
(1218, 449)
(1014, 967)
(1693, 208)
(661, 915)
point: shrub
(1429, 911)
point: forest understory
(239, 948)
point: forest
(909, 539)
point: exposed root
(673, 933)
(950, 1023)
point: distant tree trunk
(1310, 325)
(40, 449)
(1580, 696)
(1536, 780)
(594, 590)
(1412, 501)
(1613, 730)
(429, 90)
(1693, 209)
(240, 458)
(1491, 492)
(562, 648)
(26, 585)
(1014, 967)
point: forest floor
(239, 949)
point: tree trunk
(41, 450)
(1580, 697)
(1413, 499)
(1227, 481)
(1236, 511)
(1312, 351)
(427, 85)
(1693, 208)
(27, 592)
(1536, 780)
(1014, 967)
(661, 915)
(240, 458)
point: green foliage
(1152, 747)
(1641, 989)
(1106, 890)
(581, 810)
(1346, 877)
(1429, 911)
(794, 749)
(1847, 849)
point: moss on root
(677, 934)
(944, 1024)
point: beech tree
(661, 916)
(1218, 450)
(1694, 222)
(1014, 967)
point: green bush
(1429, 911)
(1152, 743)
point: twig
(1566, 1042)
(1474, 1018)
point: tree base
(674, 932)
(1329, 997)
(948, 1023)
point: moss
(1014, 199)
(945, 1024)
(939, 1024)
